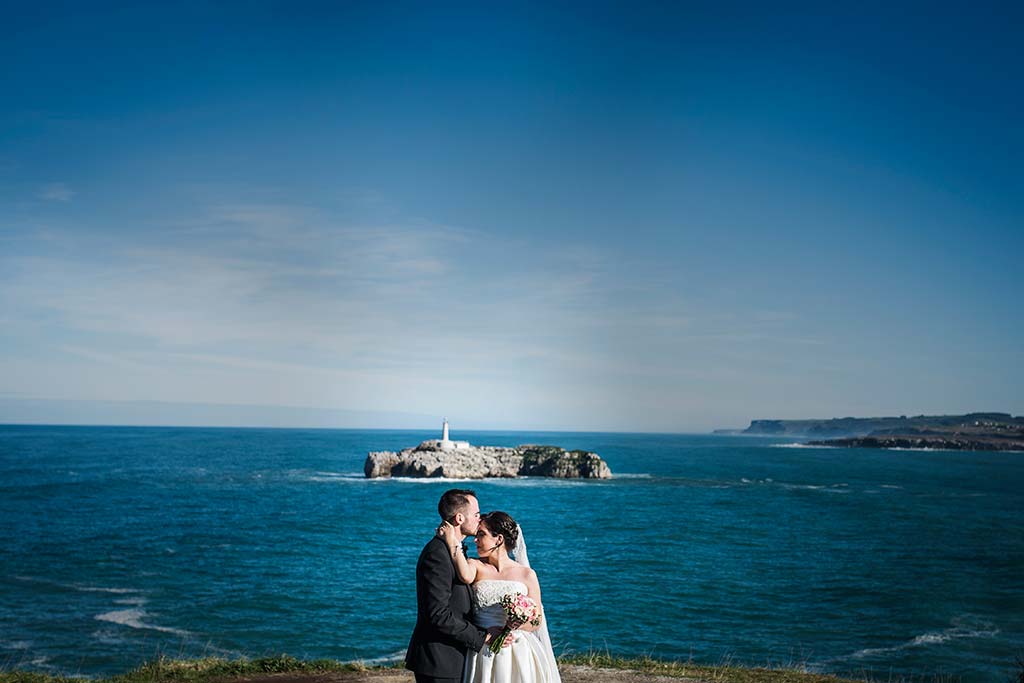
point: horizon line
(354, 429)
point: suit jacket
(443, 630)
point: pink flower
(519, 609)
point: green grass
(164, 670)
(723, 673)
(212, 669)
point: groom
(444, 632)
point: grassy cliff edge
(581, 668)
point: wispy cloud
(55, 192)
(261, 277)
(240, 302)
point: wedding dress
(529, 659)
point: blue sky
(608, 216)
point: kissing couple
(463, 630)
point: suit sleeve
(438, 574)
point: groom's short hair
(453, 501)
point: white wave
(42, 662)
(383, 660)
(359, 478)
(98, 589)
(501, 481)
(827, 488)
(37, 661)
(963, 627)
(538, 482)
(889, 486)
(798, 445)
(424, 480)
(133, 618)
(333, 477)
(82, 588)
(16, 644)
(106, 636)
(137, 602)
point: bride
(529, 658)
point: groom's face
(470, 517)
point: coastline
(923, 443)
(968, 432)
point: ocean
(120, 544)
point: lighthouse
(444, 443)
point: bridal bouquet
(519, 609)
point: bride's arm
(464, 567)
(533, 591)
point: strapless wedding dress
(526, 660)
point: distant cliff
(973, 431)
(839, 427)
(934, 442)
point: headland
(969, 432)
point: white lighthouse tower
(444, 443)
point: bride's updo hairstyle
(501, 524)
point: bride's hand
(495, 631)
(448, 532)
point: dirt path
(570, 674)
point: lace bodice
(487, 596)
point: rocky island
(970, 432)
(461, 460)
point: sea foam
(133, 618)
(81, 588)
(963, 627)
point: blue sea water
(121, 544)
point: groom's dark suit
(443, 630)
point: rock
(380, 464)
(480, 462)
(551, 461)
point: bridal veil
(520, 555)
